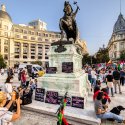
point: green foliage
(37, 62)
(2, 62)
(87, 59)
(102, 56)
(122, 55)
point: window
(24, 56)
(46, 57)
(5, 49)
(39, 34)
(5, 34)
(5, 27)
(39, 39)
(25, 32)
(39, 57)
(24, 51)
(32, 33)
(46, 46)
(32, 57)
(32, 38)
(17, 36)
(33, 45)
(29, 32)
(16, 30)
(114, 46)
(122, 45)
(46, 40)
(25, 45)
(50, 35)
(5, 42)
(6, 57)
(24, 37)
(17, 50)
(17, 44)
(46, 35)
(16, 56)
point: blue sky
(95, 19)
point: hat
(2, 96)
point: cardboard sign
(67, 67)
(51, 97)
(68, 100)
(39, 94)
(51, 70)
(77, 102)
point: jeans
(93, 81)
(110, 115)
(90, 78)
(122, 81)
(117, 82)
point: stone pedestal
(76, 83)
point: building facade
(24, 43)
(20, 43)
(117, 41)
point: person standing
(32, 73)
(2, 71)
(7, 88)
(23, 78)
(94, 77)
(109, 80)
(122, 75)
(116, 80)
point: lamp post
(91, 59)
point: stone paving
(30, 118)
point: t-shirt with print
(5, 116)
(98, 105)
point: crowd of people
(105, 81)
(11, 97)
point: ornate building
(117, 41)
(24, 43)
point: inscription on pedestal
(51, 70)
(67, 67)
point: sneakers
(115, 92)
(120, 92)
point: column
(36, 52)
(29, 51)
(118, 50)
(21, 51)
(43, 55)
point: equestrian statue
(67, 23)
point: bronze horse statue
(68, 22)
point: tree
(2, 62)
(122, 55)
(37, 62)
(102, 55)
(87, 59)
